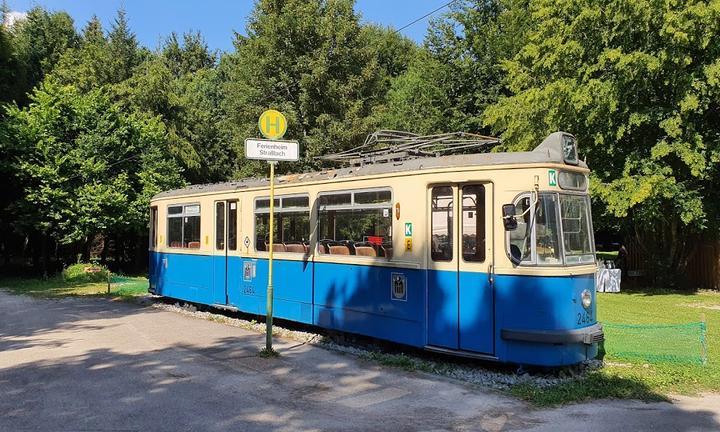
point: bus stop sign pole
(272, 125)
(269, 316)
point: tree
(638, 82)
(123, 49)
(87, 66)
(8, 66)
(191, 56)
(86, 167)
(308, 60)
(39, 41)
(182, 87)
(417, 100)
(449, 85)
(98, 60)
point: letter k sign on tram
(408, 229)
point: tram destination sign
(272, 150)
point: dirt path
(93, 364)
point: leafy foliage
(448, 85)
(637, 83)
(96, 123)
(83, 273)
(86, 166)
(312, 61)
(38, 43)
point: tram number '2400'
(584, 318)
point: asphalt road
(97, 365)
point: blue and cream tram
(488, 255)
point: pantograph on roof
(390, 146)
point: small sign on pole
(272, 150)
(272, 125)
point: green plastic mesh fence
(669, 343)
(122, 285)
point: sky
(153, 20)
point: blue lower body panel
(456, 310)
(359, 299)
(536, 304)
(184, 276)
(292, 288)
(443, 309)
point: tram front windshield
(555, 229)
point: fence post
(703, 339)
(108, 281)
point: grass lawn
(58, 287)
(638, 379)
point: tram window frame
(571, 180)
(563, 260)
(343, 203)
(261, 210)
(480, 224)
(184, 217)
(153, 227)
(232, 224)
(436, 255)
(220, 225)
(587, 217)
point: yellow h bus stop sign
(272, 124)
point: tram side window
(520, 239)
(356, 223)
(153, 227)
(441, 243)
(547, 230)
(541, 222)
(220, 225)
(232, 225)
(184, 226)
(575, 211)
(292, 224)
(473, 223)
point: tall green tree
(448, 85)
(99, 59)
(188, 56)
(181, 85)
(8, 65)
(87, 66)
(86, 166)
(39, 41)
(308, 60)
(638, 82)
(123, 48)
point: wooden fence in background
(703, 270)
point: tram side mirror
(509, 220)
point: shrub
(81, 272)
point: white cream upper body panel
(409, 190)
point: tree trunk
(45, 255)
(140, 253)
(104, 253)
(34, 243)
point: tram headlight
(586, 299)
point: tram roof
(549, 151)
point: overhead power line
(424, 16)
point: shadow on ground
(92, 364)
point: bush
(81, 273)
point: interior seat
(295, 247)
(339, 250)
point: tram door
(460, 291)
(225, 241)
